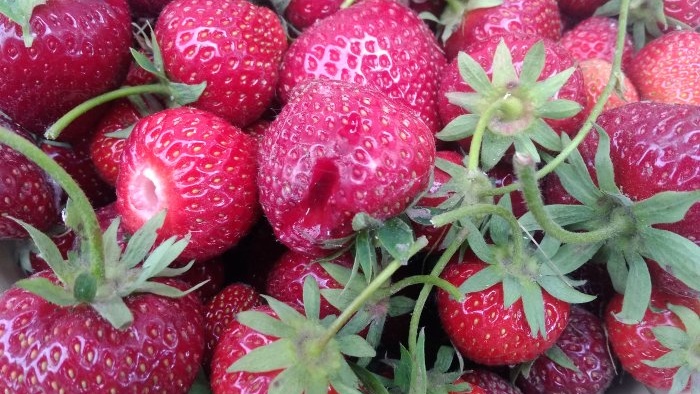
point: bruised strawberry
(232, 45)
(200, 169)
(336, 150)
(360, 45)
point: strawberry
(198, 167)
(539, 18)
(596, 74)
(489, 382)
(27, 193)
(358, 45)
(233, 46)
(304, 13)
(147, 8)
(336, 150)
(58, 54)
(579, 9)
(594, 38)
(667, 68)
(668, 331)
(221, 310)
(502, 175)
(485, 331)
(586, 365)
(76, 350)
(210, 272)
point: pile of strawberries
(371, 196)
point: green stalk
(618, 225)
(425, 291)
(595, 112)
(346, 4)
(55, 129)
(368, 292)
(75, 193)
(478, 137)
(425, 279)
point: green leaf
(558, 109)
(676, 254)
(115, 311)
(543, 90)
(564, 215)
(183, 94)
(665, 207)
(20, 12)
(533, 64)
(482, 280)
(503, 73)
(543, 134)
(355, 346)
(559, 289)
(533, 305)
(603, 163)
(45, 289)
(637, 290)
(474, 75)
(557, 355)
(142, 241)
(396, 237)
(365, 255)
(493, 149)
(49, 251)
(276, 355)
(312, 298)
(471, 102)
(671, 337)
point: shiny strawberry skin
(685, 11)
(304, 13)
(233, 45)
(635, 343)
(483, 331)
(533, 17)
(46, 348)
(285, 280)
(661, 140)
(667, 68)
(80, 50)
(579, 8)
(335, 150)
(221, 310)
(557, 59)
(490, 382)
(378, 43)
(596, 74)
(198, 167)
(585, 343)
(595, 38)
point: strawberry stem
(425, 291)
(75, 193)
(480, 130)
(525, 171)
(347, 3)
(55, 129)
(592, 116)
(368, 291)
(425, 279)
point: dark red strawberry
(490, 382)
(26, 192)
(502, 175)
(585, 344)
(75, 50)
(50, 348)
(359, 45)
(147, 8)
(221, 310)
(304, 13)
(596, 74)
(594, 38)
(579, 9)
(212, 271)
(638, 345)
(533, 17)
(597, 284)
(664, 280)
(200, 169)
(667, 68)
(232, 45)
(336, 150)
(138, 75)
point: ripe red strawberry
(594, 38)
(48, 348)
(147, 8)
(667, 68)
(221, 310)
(304, 13)
(489, 382)
(232, 45)
(484, 331)
(579, 9)
(26, 192)
(636, 345)
(596, 74)
(336, 150)
(212, 271)
(138, 75)
(359, 45)
(200, 169)
(80, 49)
(533, 17)
(585, 344)
(285, 280)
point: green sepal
(477, 243)
(459, 128)
(563, 214)
(45, 289)
(355, 346)
(543, 134)
(570, 257)
(637, 290)
(672, 252)
(142, 240)
(173, 272)
(561, 290)
(121, 133)
(523, 144)
(547, 247)
(533, 306)
(681, 379)
(165, 290)
(559, 109)
(474, 75)
(493, 148)
(365, 256)
(671, 359)
(369, 380)
(664, 207)
(72, 218)
(264, 323)
(617, 268)
(183, 94)
(671, 337)
(400, 305)
(550, 86)
(419, 371)
(286, 313)
(114, 310)
(110, 246)
(482, 280)
(201, 384)
(557, 355)
(533, 65)
(396, 237)
(603, 164)
(271, 357)
(498, 227)
(503, 73)
(20, 12)
(511, 291)
(690, 320)
(145, 63)
(160, 259)
(312, 298)
(470, 101)
(84, 288)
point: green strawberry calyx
(20, 12)
(452, 16)
(509, 109)
(684, 350)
